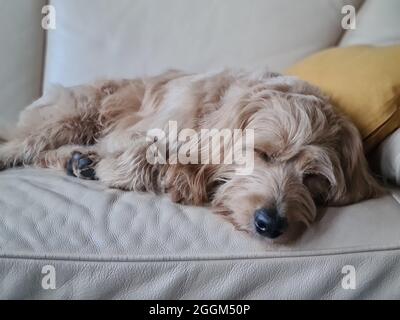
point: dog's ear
(360, 184)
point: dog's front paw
(82, 165)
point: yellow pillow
(362, 81)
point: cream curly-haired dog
(306, 154)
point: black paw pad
(88, 173)
(84, 163)
(82, 166)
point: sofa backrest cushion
(128, 38)
(377, 23)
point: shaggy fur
(306, 154)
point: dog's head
(306, 156)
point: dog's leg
(8, 154)
(61, 117)
(76, 160)
(130, 169)
(25, 149)
(127, 169)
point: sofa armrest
(21, 54)
(388, 158)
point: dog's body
(305, 152)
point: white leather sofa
(112, 244)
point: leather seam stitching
(192, 259)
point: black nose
(269, 223)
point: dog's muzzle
(269, 223)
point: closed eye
(318, 185)
(213, 187)
(265, 157)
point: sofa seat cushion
(106, 243)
